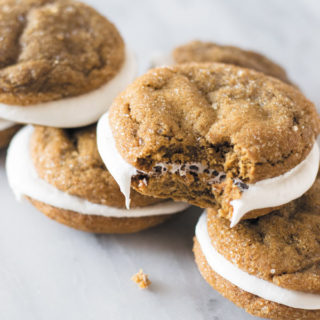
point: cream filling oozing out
(249, 283)
(74, 111)
(278, 190)
(123, 171)
(24, 181)
(5, 124)
(263, 194)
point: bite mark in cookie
(258, 129)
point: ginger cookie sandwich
(61, 173)
(214, 135)
(199, 51)
(61, 63)
(268, 266)
(7, 130)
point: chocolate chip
(206, 171)
(222, 177)
(193, 167)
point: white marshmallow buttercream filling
(74, 111)
(121, 170)
(263, 194)
(249, 283)
(278, 190)
(24, 181)
(5, 124)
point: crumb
(141, 279)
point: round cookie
(209, 134)
(199, 51)
(56, 56)
(7, 133)
(280, 249)
(60, 172)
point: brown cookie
(52, 49)
(293, 230)
(199, 51)
(250, 303)
(60, 172)
(282, 248)
(7, 134)
(201, 132)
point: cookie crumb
(141, 279)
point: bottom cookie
(7, 134)
(98, 224)
(249, 302)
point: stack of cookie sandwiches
(220, 127)
(69, 63)
(243, 144)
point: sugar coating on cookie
(69, 160)
(55, 49)
(204, 132)
(199, 51)
(270, 261)
(251, 303)
(256, 244)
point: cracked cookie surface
(53, 49)
(230, 122)
(198, 51)
(282, 247)
(69, 160)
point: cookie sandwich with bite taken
(213, 135)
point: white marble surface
(49, 271)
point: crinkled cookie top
(259, 126)
(54, 49)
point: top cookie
(54, 49)
(221, 117)
(282, 247)
(198, 51)
(69, 160)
